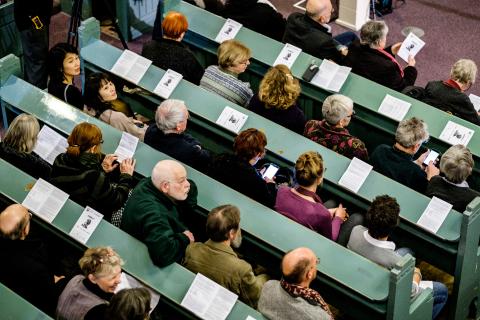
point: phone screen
(270, 172)
(432, 156)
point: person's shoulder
(294, 17)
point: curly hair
(278, 88)
(99, 261)
(308, 168)
(382, 216)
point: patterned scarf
(389, 56)
(312, 296)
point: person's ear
(91, 277)
(232, 234)
(164, 186)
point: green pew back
(368, 293)
(443, 249)
(14, 307)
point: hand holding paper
(410, 47)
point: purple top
(313, 215)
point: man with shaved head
(152, 213)
(25, 265)
(311, 32)
(291, 297)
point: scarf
(452, 84)
(310, 295)
(389, 56)
(308, 193)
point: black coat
(243, 177)
(459, 197)
(183, 147)
(450, 100)
(373, 65)
(30, 163)
(23, 9)
(259, 17)
(87, 184)
(67, 93)
(171, 54)
(309, 35)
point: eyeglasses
(352, 115)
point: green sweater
(153, 218)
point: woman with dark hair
(63, 66)
(238, 170)
(88, 176)
(17, 147)
(99, 93)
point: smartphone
(310, 72)
(270, 172)
(432, 156)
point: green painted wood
(14, 307)
(171, 282)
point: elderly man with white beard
(216, 259)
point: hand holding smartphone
(432, 156)
(270, 172)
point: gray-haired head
(319, 10)
(336, 107)
(457, 163)
(411, 132)
(169, 114)
(373, 32)
(464, 71)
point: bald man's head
(170, 177)
(319, 10)
(299, 266)
(14, 222)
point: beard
(237, 242)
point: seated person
(397, 162)
(258, 16)
(102, 270)
(331, 132)
(372, 243)
(170, 53)
(310, 32)
(63, 66)
(99, 93)
(152, 213)
(238, 170)
(216, 259)
(26, 267)
(131, 304)
(370, 59)
(88, 176)
(450, 96)
(233, 59)
(456, 166)
(17, 147)
(303, 205)
(277, 99)
(292, 297)
(168, 135)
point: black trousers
(35, 55)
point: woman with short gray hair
(397, 161)
(331, 132)
(369, 58)
(449, 95)
(456, 166)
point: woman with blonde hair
(102, 269)
(277, 97)
(17, 147)
(233, 59)
(303, 204)
(90, 177)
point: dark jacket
(183, 147)
(25, 269)
(311, 37)
(171, 54)
(65, 92)
(458, 196)
(214, 6)
(85, 181)
(374, 65)
(259, 17)
(24, 9)
(451, 100)
(399, 166)
(243, 177)
(153, 218)
(30, 163)
(292, 118)
(336, 139)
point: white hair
(336, 107)
(411, 132)
(169, 113)
(457, 163)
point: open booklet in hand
(410, 46)
(50, 144)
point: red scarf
(452, 83)
(312, 296)
(389, 56)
